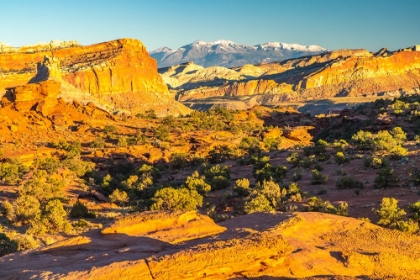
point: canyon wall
(118, 72)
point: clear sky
(333, 24)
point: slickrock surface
(256, 246)
(342, 73)
(119, 73)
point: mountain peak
(230, 54)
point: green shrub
(119, 197)
(259, 203)
(242, 187)
(341, 158)
(348, 182)
(179, 160)
(318, 178)
(197, 183)
(176, 199)
(79, 210)
(385, 177)
(99, 142)
(7, 246)
(220, 153)
(250, 144)
(272, 191)
(11, 171)
(316, 204)
(294, 159)
(122, 142)
(389, 214)
(162, 133)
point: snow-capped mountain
(229, 54)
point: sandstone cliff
(119, 73)
(352, 73)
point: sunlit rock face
(118, 72)
(342, 73)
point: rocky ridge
(116, 74)
(228, 54)
(303, 245)
(342, 73)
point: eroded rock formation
(119, 73)
(272, 245)
(342, 73)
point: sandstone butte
(118, 74)
(341, 73)
(188, 245)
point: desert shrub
(272, 143)
(79, 210)
(397, 152)
(415, 209)
(294, 159)
(162, 133)
(42, 187)
(294, 192)
(316, 204)
(220, 153)
(318, 167)
(340, 145)
(218, 176)
(11, 171)
(54, 217)
(99, 142)
(149, 170)
(375, 162)
(7, 246)
(79, 166)
(176, 199)
(398, 135)
(307, 162)
(318, 178)
(122, 142)
(385, 177)
(250, 144)
(242, 187)
(109, 129)
(150, 114)
(363, 140)
(348, 182)
(25, 209)
(389, 213)
(179, 160)
(321, 191)
(297, 175)
(409, 226)
(341, 158)
(269, 172)
(259, 203)
(197, 183)
(271, 190)
(50, 165)
(119, 197)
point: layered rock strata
(342, 73)
(120, 73)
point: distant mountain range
(229, 54)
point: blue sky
(333, 24)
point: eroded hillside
(119, 74)
(342, 73)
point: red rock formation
(338, 73)
(120, 72)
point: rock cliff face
(119, 73)
(341, 73)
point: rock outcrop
(118, 73)
(342, 73)
(271, 245)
